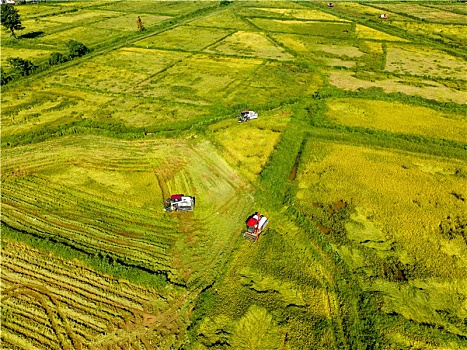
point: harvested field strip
(88, 293)
(32, 190)
(89, 243)
(78, 217)
(100, 237)
(59, 288)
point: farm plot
(264, 296)
(421, 61)
(460, 8)
(331, 53)
(128, 22)
(364, 32)
(411, 86)
(327, 29)
(399, 232)
(398, 117)
(249, 44)
(290, 13)
(49, 303)
(26, 54)
(424, 13)
(249, 145)
(364, 11)
(448, 33)
(169, 8)
(117, 71)
(87, 35)
(181, 38)
(103, 195)
(274, 82)
(147, 112)
(199, 79)
(83, 17)
(222, 19)
(41, 105)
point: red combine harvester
(255, 224)
(179, 202)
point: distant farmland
(358, 159)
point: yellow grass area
(86, 34)
(365, 32)
(374, 46)
(128, 22)
(275, 81)
(426, 13)
(143, 112)
(250, 44)
(364, 11)
(183, 38)
(140, 60)
(398, 117)
(222, 19)
(419, 87)
(199, 79)
(83, 15)
(445, 32)
(26, 54)
(306, 45)
(459, 7)
(249, 145)
(302, 13)
(424, 61)
(404, 195)
(91, 74)
(24, 110)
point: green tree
(4, 78)
(76, 49)
(57, 58)
(10, 18)
(20, 66)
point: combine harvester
(179, 202)
(246, 116)
(255, 224)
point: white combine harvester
(179, 202)
(255, 224)
(247, 116)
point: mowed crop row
(77, 200)
(48, 303)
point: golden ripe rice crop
(182, 38)
(399, 118)
(249, 44)
(423, 62)
(407, 196)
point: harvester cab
(255, 225)
(247, 116)
(179, 202)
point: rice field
(448, 33)
(419, 87)
(398, 118)
(181, 38)
(400, 201)
(406, 59)
(424, 12)
(51, 303)
(357, 159)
